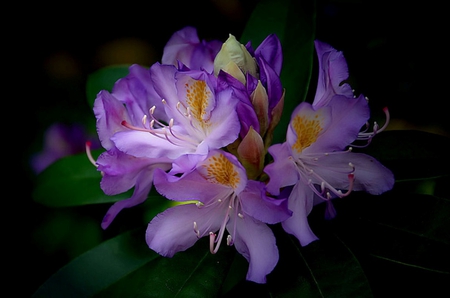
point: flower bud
(260, 103)
(251, 153)
(235, 52)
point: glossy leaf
(191, 273)
(294, 24)
(72, 181)
(324, 268)
(104, 79)
(407, 228)
(100, 267)
(411, 154)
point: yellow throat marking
(197, 98)
(307, 130)
(220, 170)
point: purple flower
(332, 81)
(185, 47)
(151, 118)
(225, 200)
(255, 75)
(61, 140)
(316, 160)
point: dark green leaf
(294, 24)
(324, 268)
(104, 79)
(100, 267)
(406, 228)
(72, 181)
(411, 154)
(191, 273)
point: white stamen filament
(325, 187)
(89, 153)
(368, 136)
(212, 237)
(165, 131)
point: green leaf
(100, 267)
(72, 181)
(411, 154)
(405, 228)
(104, 79)
(294, 24)
(191, 273)
(324, 268)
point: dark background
(396, 55)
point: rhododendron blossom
(198, 127)
(226, 200)
(317, 159)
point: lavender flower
(226, 200)
(316, 159)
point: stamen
(324, 185)
(89, 153)
(368, 136)
(196, 230)
(229, 240)
(212, 236)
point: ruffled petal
(282, 163)
(173, 230)
(109, 113)
(119, 170)
(256, 242)
(180, 46)
(261, 207)
(301, 202)
(333, 70)
(137, 92)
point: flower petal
(145, 144)
(370, 175)
(173, 230)
(256, 242)
(137, 92)
(348, 116)
(282, 163)
(301, 203)
(333, 70)
(261, 207)
(110, 113)
(270, 50)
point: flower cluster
(198, 127)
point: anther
(229, 240)
(240, 215)
(212, 238)
(197, 232)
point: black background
(396, 55)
